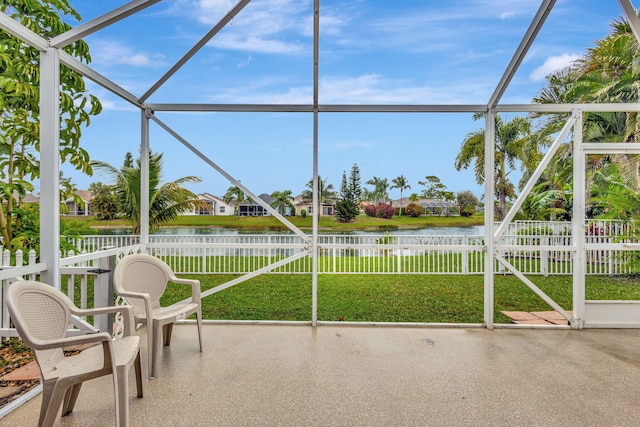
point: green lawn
(391, 297)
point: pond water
(190, 231)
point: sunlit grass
(390, 297)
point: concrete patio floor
(274, 375)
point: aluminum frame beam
(203, 41)
(398, 108)
(577, 224)
(632, 17)
(523, 48)
(50, 165)
(489, 216)
(100, 22)
(18, 30)
(315, 179)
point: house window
(221, 209)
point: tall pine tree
(350, 191)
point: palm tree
(380, 186)
(402, 184)
(166, 201)
(326, 193)
(608, 72)
(282, 201)
(510, 137)
(234, 194)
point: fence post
(544, 257)
(103, 292)
(465, 256)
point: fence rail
(534, 247)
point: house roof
(85, 195)
(209, 196)
(264, 196)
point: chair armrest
(195, 287)
(39, 344)
(127, 311)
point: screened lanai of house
(150, 113)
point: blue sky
(371, 52)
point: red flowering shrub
(381, 210)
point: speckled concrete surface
(264, 375)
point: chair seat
(90, 359)
(173, 311)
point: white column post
(144, 177)
(578, 224)
(489, 189)
(316, 209)
(50, 165)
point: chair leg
(199, 322)
(137, 365)
(122, 397)
(52, 395)
(157, 348)
(167, 330)
(71, 396)
(150, 348)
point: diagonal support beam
(100, 22)
(523, 48)
(219, 26)
(536, 175)
(632, 17)
(18, 30)
(534, 288)
(256, 273)
(235, 182)
(98, 78)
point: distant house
(431, 206)
(81, 207)
(30, 198)
(212, 205)
(302, 204)
(251, 208)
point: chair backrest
(39, 312)
(142, 273)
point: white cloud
(111, 52)
(553, 64)
(362, 89)
(268, 26)
(256, 44)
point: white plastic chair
(141, 280)
(40, 314)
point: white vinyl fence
(389, 253)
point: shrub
(346, 210)
(468, 210)
(303, 213)
(381, 210)
(415, 210)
